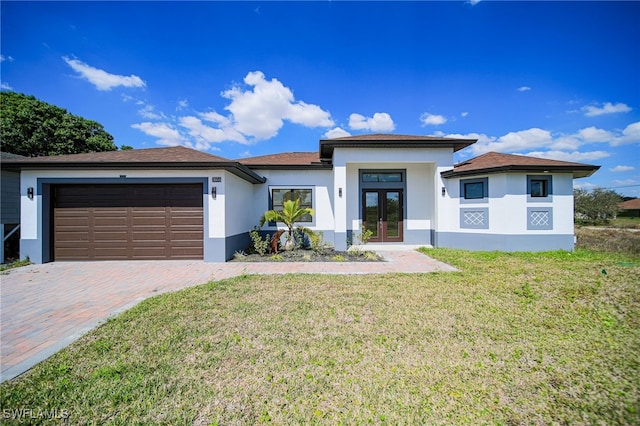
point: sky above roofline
(554, 80)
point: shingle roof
(284, 160)
(494, 162)
(381, 140)
(150, 158)
(631, 204)
(148, 155)
(9, 156)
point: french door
(382, 214)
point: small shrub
(239, 255)
(261, 246)
(316, 241)
(338, 258)
(365, 235)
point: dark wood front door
(382, 214)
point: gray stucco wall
(501, 242)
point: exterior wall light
(30, 192)
(214, 192)
(340, 192)
(444, 191)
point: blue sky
(551, 79)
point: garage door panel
(128, 222)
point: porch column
(340, 196)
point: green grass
(16, 264)
(548, 338)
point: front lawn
(550, 338)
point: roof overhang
(232, 167)
(578, 171)
(327, 146)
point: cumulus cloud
(380, 122)
(574, 156)
(630, 134)
(428, 119)
(102, 79)
(336, 132)
(149, 113)
(166, 134)
(620, 168)
(523, 89)
(560, 146)
(205, 135)
(5, 86)
(464, 114)
(607, 108)
(6, 58)
(259, 112)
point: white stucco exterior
(435, 211)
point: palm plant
(289, 215)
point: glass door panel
(371, 213)
(393, 218)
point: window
(382, 177)
(474, 189)
(539, 188)
(280, 195)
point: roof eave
(232, 167)
(327, 146)
(576, 171)
(312, 166)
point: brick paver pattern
(44, 308)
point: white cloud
(102, 79)
(620, 168)
(574, 156)
(205, 135)
(464, 114)
(149, 113)
(182, 104)
(6, 58)
(166, 134)
(579, 184)
(523, 89)
(380, 122)
(630, 134)
(428, 119)
(336, 132)
(607, 108)
(5, 86)
(259, 112)
(474, 2)
(626, 182)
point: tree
(289, 215)
(34, 128)
(596, 206)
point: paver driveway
(46, 307)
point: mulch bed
(327, 255)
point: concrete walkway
(46, 307)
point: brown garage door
(113, 222)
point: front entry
(382, 214)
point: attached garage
(127, 222)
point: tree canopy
(34, 128)
(596, 206)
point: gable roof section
(176, 157)
(287, 161)
(631, 204)
(380, 140)
(494, 162)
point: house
(630, 208)
(177, 203)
